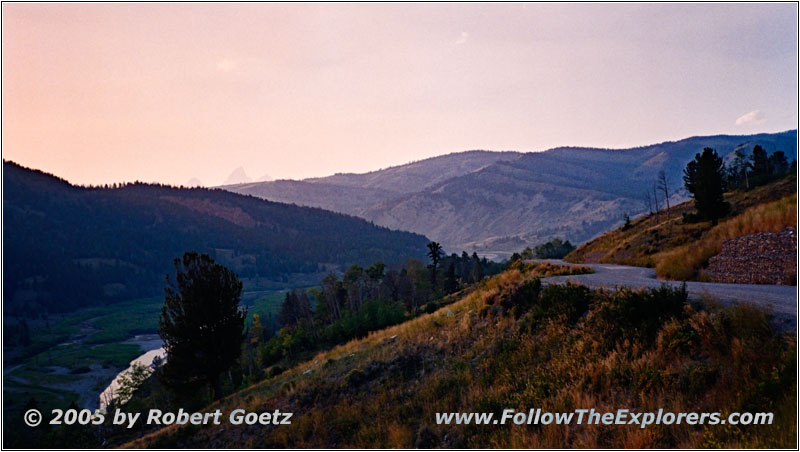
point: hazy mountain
(67, 246)
(338, 198)
(355, 193)
(238, 176)
(504, 201)
(415, 176)
(194, 182)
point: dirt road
(781, 300)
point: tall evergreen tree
(201, 323)
(295, 308)
(760, 165)
(465, 267)
(407, 291)
(778, 165)
(435, 253)
(450, 281)
(477, 269)
(704, 178)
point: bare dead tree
(663, 185)
(655, 199)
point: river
(154, 348)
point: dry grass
(495, 349)
(678, 250)
(685, 262)
(546, 268)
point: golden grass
(543, 269)
(684, 263)
(678, 250)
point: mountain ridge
(485, 201)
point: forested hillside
(67, 246)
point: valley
(61, 355)
(73, 357)
(399, 225)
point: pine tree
(450, 280)
(477, 269)
(778, 165)
(704, 178)
(435, 253)
(201, 324)
(760, 165)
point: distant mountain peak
(238, 176)
(194, 182)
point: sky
(159, 92)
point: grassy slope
(679, 250)
(475, 355)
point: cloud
(226, 65)
(755, 117)
(463, 38)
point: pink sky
(100, 93)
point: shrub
(691, 217)
(568, 300)
(275, 371)
(698, 377)
(270, 352)
(521, 298)
(354, 378)
(636, 315)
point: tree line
(707, 178)
(554, 249)
(362, 300)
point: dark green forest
(68, 246)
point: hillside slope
(512, 344)
(415, 176)
(67, 246)
(504, 202)
(355, 193)
(679, 249)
